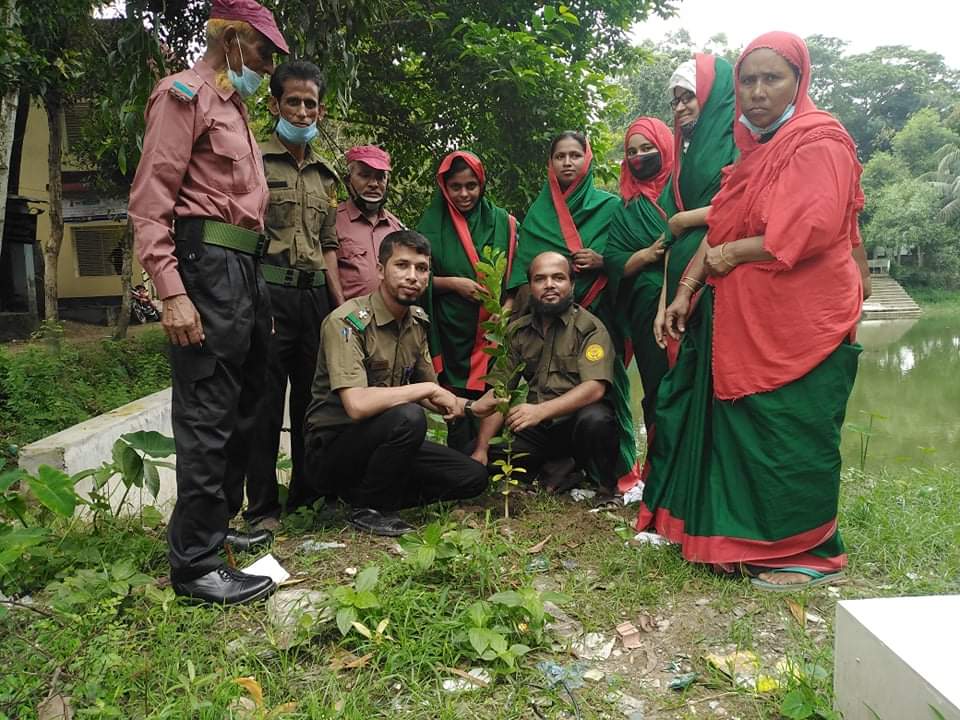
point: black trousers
(297, 316)
(385, 463)
(216, 392)
(462, 432)
(589, 436)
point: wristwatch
(468, 408)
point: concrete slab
(89, 444)
(897, 658)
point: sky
(921, 24)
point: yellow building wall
(33, 184)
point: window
(73, 119)
(99, 250)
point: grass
(144, 654)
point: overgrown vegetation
(468, 591)
(46, 387)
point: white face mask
(776, 124)
(246, 82)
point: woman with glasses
(745, 468)
(460, 223)
(701, 95)
(571, 216)
(634, 254)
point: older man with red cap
(197, 205)
(362, 221)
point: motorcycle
(141, 305)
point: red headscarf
(777, 320)
(456, 217)
(659, 134)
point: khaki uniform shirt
(359, 246)
(575, 348)
(363, 345)
(302, 216)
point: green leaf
(23, 538)
(150, 517)
(54, 490)
(510, 598)
(150, 443)
(795, 706)
(10, 477)
(478, 640)
(367, 579)
(346, 616)
(151, 477)
(432, 533)
(518, 649)
(365, 599)
(478, 613)
(425, 556)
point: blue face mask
(775, 125)
(296, 135)
(246, 82)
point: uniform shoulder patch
(594, 352)
(419, 313)
(184, 90)
(358, 318)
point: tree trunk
(8, 122)
(126, 272)
(53, 104)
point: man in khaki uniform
(567, 358)
(365, 426)
(300, 269)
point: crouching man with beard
(366, 427)
(567, 359)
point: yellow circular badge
(593, 353)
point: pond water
(909, 380)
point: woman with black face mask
(633, 257)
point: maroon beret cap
(253, 13)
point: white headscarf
(685, 76)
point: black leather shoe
(371, 521)
(245, 542)
(226, 586)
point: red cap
(373, 156)
(253, 13)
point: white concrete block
(897, 658)
(90, 443)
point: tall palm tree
(946, 180)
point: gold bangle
(724, 257)
(692, 279)
(692, 288)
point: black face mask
(644, 167)
(365, 206)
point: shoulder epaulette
(358, 318)
(184, 90)
(419, 313)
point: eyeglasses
(687, 98)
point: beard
(551, 309)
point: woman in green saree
(460, 223)
(634, 254)
(702, 99)
(572, 217)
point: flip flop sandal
(608, 502)
(816, 578)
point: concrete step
(889, 300)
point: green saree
(696, 176)
(565, 223)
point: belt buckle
(261, 247)
(305, 280)
(289, 277)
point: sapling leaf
(54, 490)
(150, 443)
(367, 579)
(510, 598)
(345, 619)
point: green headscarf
(696, 176)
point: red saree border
(720, 549)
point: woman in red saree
(767, 359)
